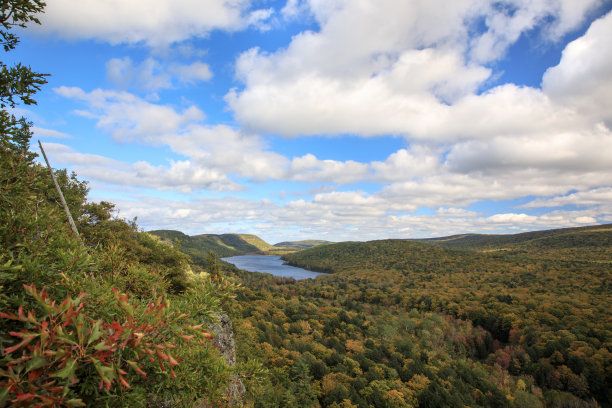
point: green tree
(301, 387)
(17, 82)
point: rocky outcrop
(224, 342)
(224, 338)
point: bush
(65, 354)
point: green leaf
(35, 362)
(102, 346)
(79, 324)
(105, 372)
(75, 402)
(3, 395)
(95, 332)
(66, 372)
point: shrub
(63, 353)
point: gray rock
(224, 342)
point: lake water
(270, 264)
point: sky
(331, 119)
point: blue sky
(331, 119)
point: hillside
(308, 243)
(98, 302)
(544, 297)
(592, 243)
(198, 246)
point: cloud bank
(424, 71)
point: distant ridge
(591, 244)
(591, 241)
(198, 246)
(309, 243)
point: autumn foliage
(64, 342)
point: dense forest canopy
(520, 320)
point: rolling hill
(198, 246)
(297, 245)
(592, 243)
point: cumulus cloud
(406, 164)
(130, 118)
(414, 79)
(195, 72)
(405, 71)
(506, 21)
(337, 217)
(154, 22)
(182, 176)
(539, 160)
(594, 197)
(414, 69)
(308, 168)
(152, 75)
(148, 75)
(583, 78)
(219, 148)
(293, 8)
(43, 132)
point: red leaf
(9, 316)
(23, 397)
(124, 383)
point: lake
(270, 264)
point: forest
(519, 320)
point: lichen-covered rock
(224, 338)
(224, 342)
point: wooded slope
(198, 246)
(544, 296)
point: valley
(516, 320)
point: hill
(198, 246)
(309, 243)
(591, 243)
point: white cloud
(576, 152)
(465, 147)
(149, 75)
(506, 21)
(511, 219)
(221, 148)
(195, 72)
(129, 118)
(43, 132)
(406, 164)
(337, 217)
(259, 19)
(403, 72)
(182, 176)
(310, 169)
(154, 22)
(293, 8)
(571, 14)
(585, 220)
(152, 75)
(583, 78)
(525, 160)
(594, 197)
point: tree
(17, 82)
